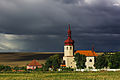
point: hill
(23, 58)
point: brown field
(23, 58)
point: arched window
(90, 60)
(70, 48)
(66, 48)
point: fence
(97, 70)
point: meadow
(61, 76)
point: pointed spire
(69, 41)
(69, 31)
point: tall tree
(101, 62)
(53, 62)
(80, 61)
(115, 60)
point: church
(68, 58)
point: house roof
(86, 52)
(34, 63)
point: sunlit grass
(61, 76)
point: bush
(5, 68)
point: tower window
(70, 48)
(90, 60)
(67, 48)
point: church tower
(68, 47)
(68, 58)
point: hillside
(23, 58)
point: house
(68, 58)
(33, 65)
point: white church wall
(69, 62)
(68, 50)
(90, 62)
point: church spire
(69, 41)
(69, 31)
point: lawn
(61, 76)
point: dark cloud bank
(41, 25)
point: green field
(61, 76)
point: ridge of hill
(24, 58)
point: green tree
(53, 62)
(114, 59)
(80, 61)
(108, 60)
(101, 62)
(5, 68)
(2, 67)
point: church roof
(69, 41)
(86, 52)
(34, 63)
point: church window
(90, 60)
(67, 48)
(70, 48)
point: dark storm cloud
(71, 1)
(40, 24)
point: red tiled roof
(69, 41)
(34, 63)
(86, 52)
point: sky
(41, 25)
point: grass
(61, 76)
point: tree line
(108, 60)
(105, 60)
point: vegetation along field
(61, 76)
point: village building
(68, 58)
(33, 65)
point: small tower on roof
(92, 48)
